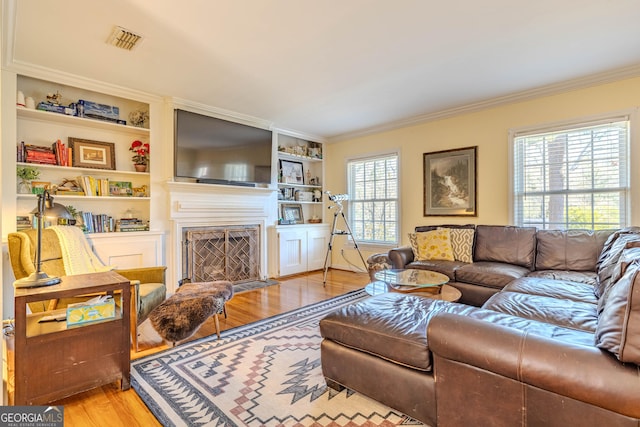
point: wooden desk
(54, 360)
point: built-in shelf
(297, 157)
(49, 117)
(89, 171)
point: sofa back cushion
(576, 250)
(507, 244)
(611, 252)
(618, 329)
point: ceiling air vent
(123, 38)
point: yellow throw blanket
(77, 255)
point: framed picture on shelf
(120, 188)
(450, 182)
(292, 213)
(38, 187)
(92, 154)
(292, 172)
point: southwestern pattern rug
(266, 373)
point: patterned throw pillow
(432, 245)
(462, 243)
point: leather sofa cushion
(587, 277)
(392, 326)
(562, 312)
(576, 250)
(491, 274)
(611, 252)
(624, 261)
(618, 328)
(445, 267)
(506, 244)
(554, 288)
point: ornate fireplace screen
(222, 253)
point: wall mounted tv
(217, 151)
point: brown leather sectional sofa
(555, 343)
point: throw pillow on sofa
(462, 243)
(432, 245)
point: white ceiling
(333, 68)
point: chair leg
(224, 310)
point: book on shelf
(131, 224)
(93, 186)
(58, 154)
(98, 223)
(38, 154)
(23, 222)
(61, 152)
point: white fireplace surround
(206, 205)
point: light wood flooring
(109, 406)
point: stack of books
(131, 224)
(23, 223)
(93, 186)
(98, 223)
(39, 155)
(58, 154)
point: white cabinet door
(128, 250)
(292, 251)
(317, 246)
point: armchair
(148, 288)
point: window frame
(570, 125)
(374, 245)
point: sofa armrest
(400, 257)
(583, 373)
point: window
(373, 195)
(572, 177)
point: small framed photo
(38, 187)
(120, 188)
(450, 182)
(92, 154)
(292, 172)
(292, 213)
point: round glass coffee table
(424, 282)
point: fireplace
(221, 253)
(222, 228)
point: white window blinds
(373, 195)
(576, 177)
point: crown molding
(221, 113)
(300, 135)
(552, 89)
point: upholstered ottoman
(182, 314)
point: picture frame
(92, 154)
(291, 172)
(120, 188)
(450, 182)
(39, 187)
(292, 213)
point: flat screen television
(216, 151)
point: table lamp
(45, 208)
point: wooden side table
(54, 360)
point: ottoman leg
(217, 322)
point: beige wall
(488, 129)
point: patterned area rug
(266, 373)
